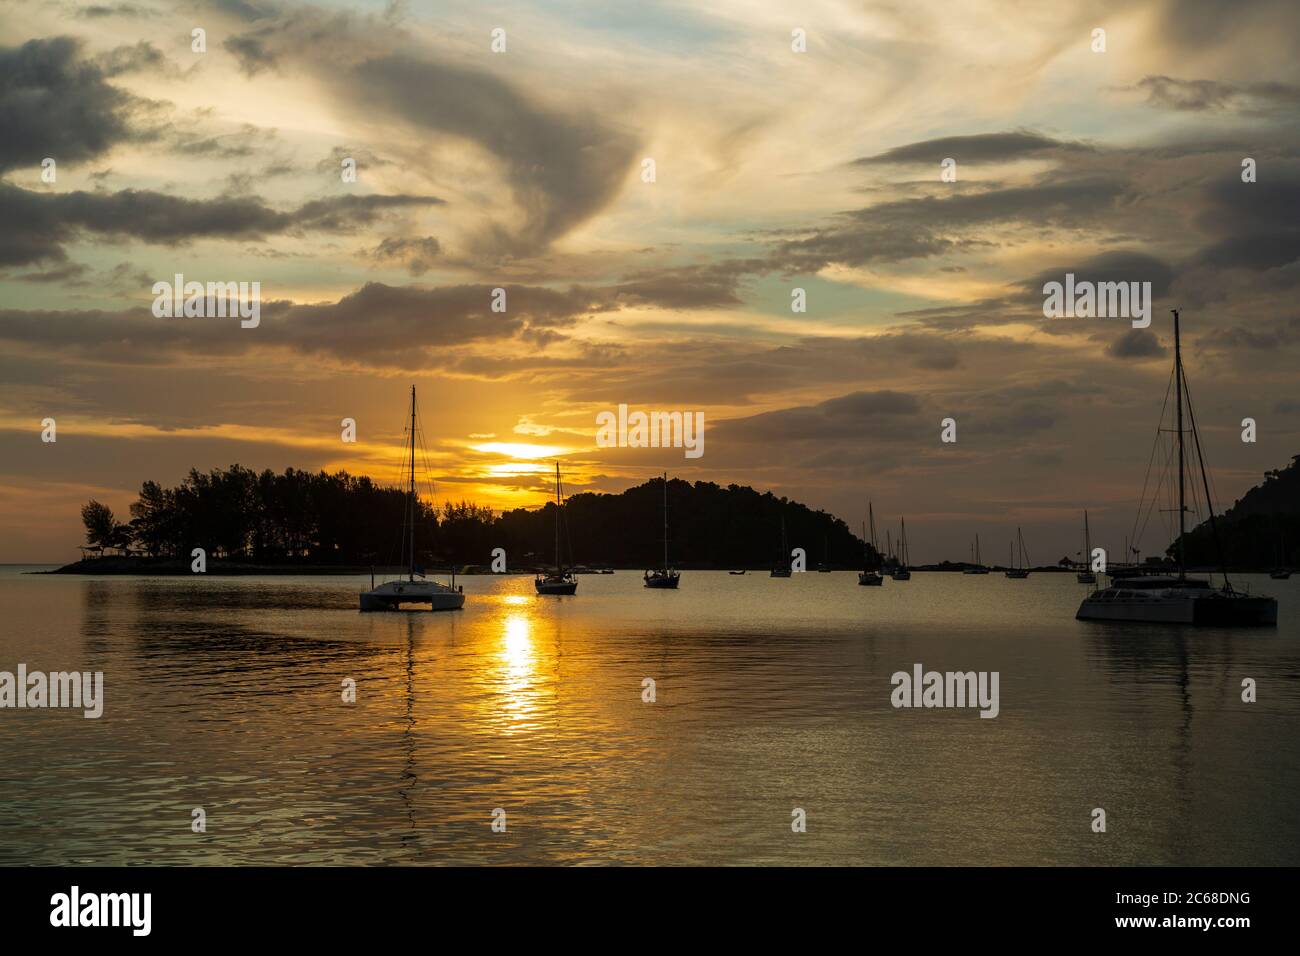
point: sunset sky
(523, 170)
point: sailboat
(978, 566)
(664, 577)
(1086, 576)
(1179, 600)
(1021, 570)
(1280, 571)
(825, 566)
(901, 570)
(558, 581)
(391, 595)
(782, 568)
(871, 578)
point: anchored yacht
(664, 577)
(559, 581)
(1018, 571)
(1086, 576)
(391, 595)
(902, 572)
(871, 578)
(1137, 598)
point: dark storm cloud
(139, 57)
(236, 145)
(417, 254)
(69, 274)
(248, 10)
(100, 11)
(394, 326)
(1118, 266)
(688, 287)
(929, 226)
(1136, 344)
(1255, 224)
(1202, 95)
(862, 414)
(55, 103)
(251, 53)
(978, 148)
(38, 224)
(1204, 25)
(1273, 335)
(562, 168)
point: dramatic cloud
(1202, 95)
(929, 226)
(1255, 223)
(562, 168)
(418, 255)
(41, 223)
(54, 103)
(862, 414)
(980, 148)
(402, 327)
(1136, 344)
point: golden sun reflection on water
(517, 678)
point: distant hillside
(709, 527)
(301, 519)
(1259, 530)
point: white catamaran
(1166, 599)
(391, 595)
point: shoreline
(173, 567)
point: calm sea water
(225, 694)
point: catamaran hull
(436, 602)
(662, 583)
(1208, 611)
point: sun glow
(520, 449)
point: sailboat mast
(411, 500)
(557, 516)
(665, 521)
(1178, 389)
